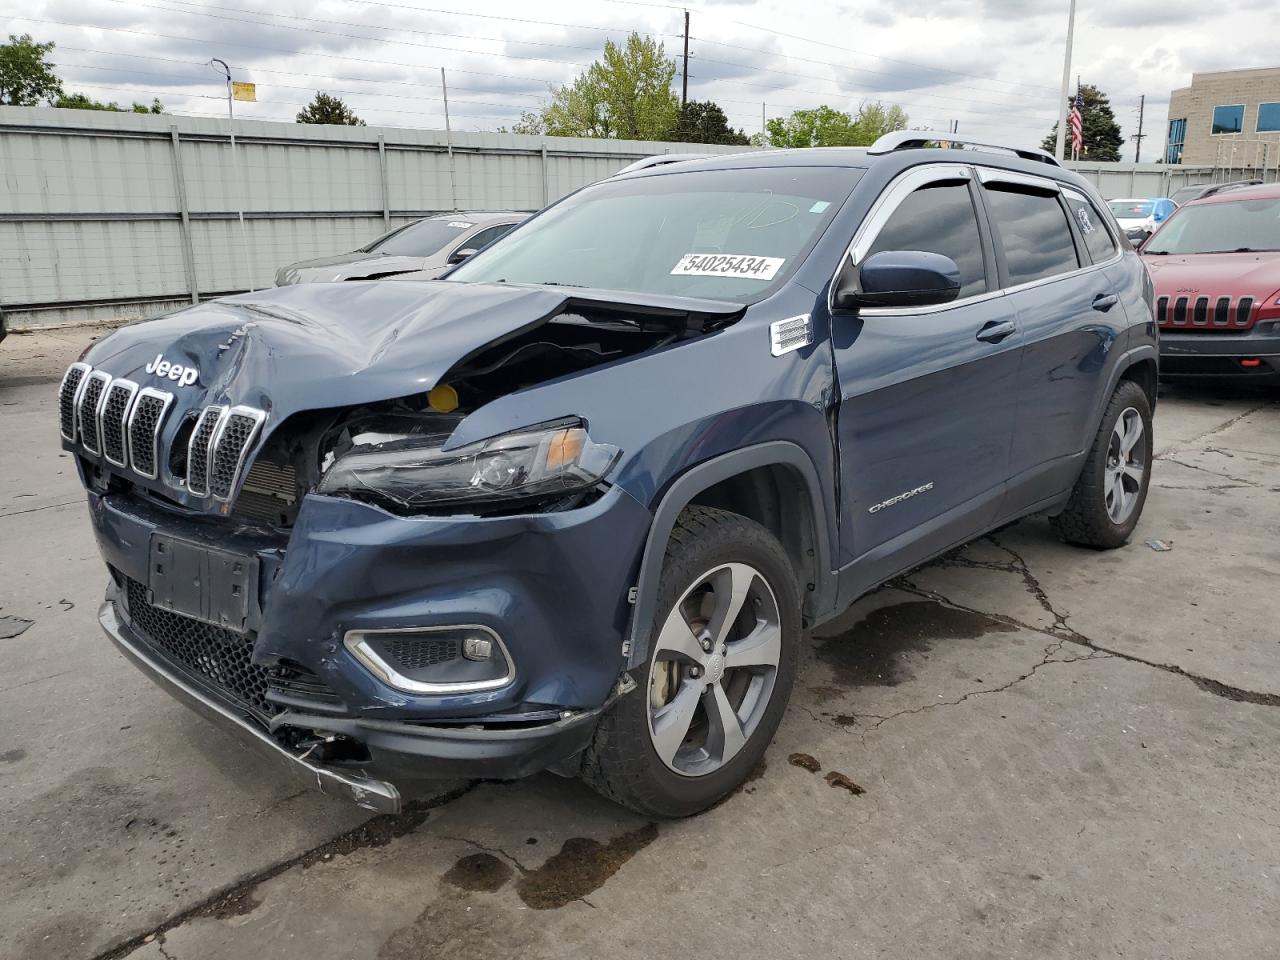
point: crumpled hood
(318, 346)
(349, 266)
(1233, 275)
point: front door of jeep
(927, 394)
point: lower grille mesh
(219, 655)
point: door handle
(1105, 301)
(996, 330)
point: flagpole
(235, 173)
(1066, 80)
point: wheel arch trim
(701, 477)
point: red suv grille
(1205, 313)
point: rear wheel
(721, 662)
(1108, 497)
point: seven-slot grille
(87, 410)
(230, 444)
(144, 431)
(113, 421)
(117, 420)
(68, 394)
(1207, 313)
(198, 451)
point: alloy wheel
(714, 668)
(1126, 466)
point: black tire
(1085, 521)
(622, 762)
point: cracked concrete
(1061, 754)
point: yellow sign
(244, 91)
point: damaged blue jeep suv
(574, 506)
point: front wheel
(1108, 497)
(721, 661)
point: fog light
(1250, 362)
(434, 660)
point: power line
(845, 51)
(219, 16)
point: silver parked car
(421, 250)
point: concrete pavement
(1022, 750)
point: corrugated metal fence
(108, 215)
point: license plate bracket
(206, 583)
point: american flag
(1076, 119)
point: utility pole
(684, 77)
(448, 139)
(764, 128)
(1066, 79)
(1137, 137)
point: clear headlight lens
(530, 464)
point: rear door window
(1093, 228)
(1032, 228)
(486, 237)
(939, 218)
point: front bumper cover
(399, 751)
(1209, 354)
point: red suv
(1216, 268)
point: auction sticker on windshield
(727, 265)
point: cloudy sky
(992, 65)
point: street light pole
(1066, 80)
(235, 168)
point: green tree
(626, 94)
(327, 109)
(826, 127)
(26, 76)
(82, 101)
(702, 121)
(1102, 136)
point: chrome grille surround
(69, 399)
(121, 422)
(237, 429)
(145, 422)
(113, 420)
(91, 394)
(200, 449)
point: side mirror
(899, 278)
(459, 255)
(1137, 236)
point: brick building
(1230, 118)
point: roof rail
(912, 139)
(659, 159)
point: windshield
(420, 239)
(718, 234)
(1221, 227)
(1131, 209)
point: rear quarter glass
(714, 234)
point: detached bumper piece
(377, 795)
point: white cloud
(994, 66)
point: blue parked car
(573, 506)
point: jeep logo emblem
(183, 376)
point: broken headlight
(531, 464)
